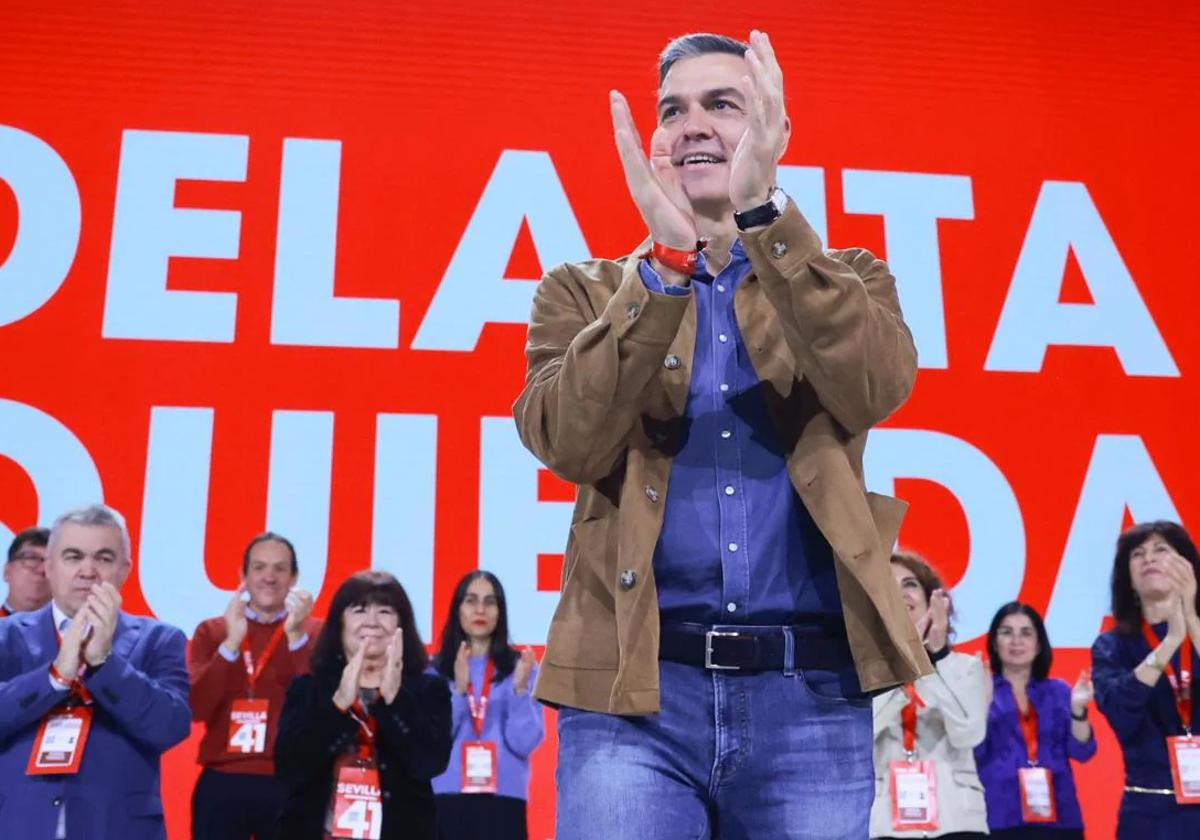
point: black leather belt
(731, 647)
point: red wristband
(681, 262)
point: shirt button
(724, 387)
(733, 546)
(720, 287)
(732, 607)
(628, 579)
(671, 362)
(725, 433)
(56, 801)
(729, 490)
(633, 310)
(779, 249)
(651, 493)
(722, 338)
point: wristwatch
(763, 214)
(1151, 661)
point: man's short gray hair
(695, 44)
(95, 516)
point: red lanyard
(908, 719)
(1181, 686)
(479, 708)
(366, 728)
(78, 689)
(252, 672)
(1029, 729)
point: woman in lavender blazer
(1020, 653)
(491, 703)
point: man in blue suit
(126, 672)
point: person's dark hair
(504, 658)
(364, 589)
(37, 537)
(696, 44)
(269, 536)
(1041, 662)
(1126, 608)
(929, 579)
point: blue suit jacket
(141, 710)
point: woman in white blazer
(951, 707)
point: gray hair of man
(697, 44)
(95, 516)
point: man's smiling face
(702, 115)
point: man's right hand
(70, 652)
(347, 690)
(654, 183)
(235, 621)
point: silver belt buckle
(708, 650)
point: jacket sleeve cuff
(784, 247)
(654, 282)
(639, 316)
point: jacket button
(651, 493)
(779, 249)
(671, 362)
(628, 579)
(56, 801)
(633, 310)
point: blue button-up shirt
(737, 544)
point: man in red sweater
(240, 666)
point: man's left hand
(756, 159)
(103, 607)
(299, 606)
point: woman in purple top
(496, 722)
(1024, 701)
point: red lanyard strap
(908, 719)
(1029, 730)
(366, 728)
(479, 707)
(254, 672)
(1181, 685)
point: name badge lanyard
(1181, 684)
(366, 731)
(908, 720)
(912, 782)
(1038, 803)
(479, 706)
(253, 672)
(1029, 731)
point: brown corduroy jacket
(609, 365)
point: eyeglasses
(29, 560)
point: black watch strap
(763, 214)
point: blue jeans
(756, 756)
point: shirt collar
(737, 254)
(254, 616)
(59, 616)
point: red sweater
(217, 682)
